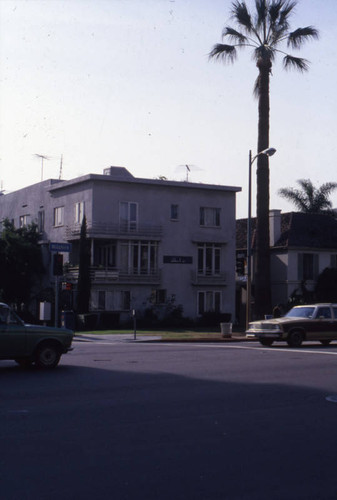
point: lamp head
(268, 152)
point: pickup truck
(31, 344)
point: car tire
(325, 342)
(295, 338)
(266, 342)
(24, 362)
(47, 356)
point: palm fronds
(295, 62)
(309, 199)
(299, 36)
(223, 52)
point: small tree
(83, 285)
(21, 265)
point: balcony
(115, 276)
(110, 230)
(208, 278)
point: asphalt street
(120, 419)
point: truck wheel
(24, 362)
(295, 338)
(325, 342)
(47, 356)
(266, 342)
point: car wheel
(47, 356)
(325, 342)
(266, 342)
(295, 338)
(24, 362)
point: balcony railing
(208, 278)
(112, 275)
(110, 230)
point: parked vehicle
(307, 322)
(28, 344)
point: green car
(28, 344)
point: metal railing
(114, 230)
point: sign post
(58, 270)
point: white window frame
(58, 216)
(140, 257)
(23, 221)
(210, 217)
(79, 212)
(209, 301)
(128, 215)
(209, 259)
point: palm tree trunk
(262, 255)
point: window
(209, 217)
(307, 266)
(174, 212)
(333, 260)
(208, 259)
(159, 296)
(40, 221)
(139, 257)
(125, 300)
(105, 255)
(23, 221)
(101, 300)
(79, 212)
(324, 312)
(209, 302)
(128, 215)
(58, 216)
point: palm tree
(264, 33)
(309, 199)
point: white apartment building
(151, 240)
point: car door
(12, 335)
(326, 324)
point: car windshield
(301, 312)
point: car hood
(277, 321)
(50, 330)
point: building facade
(302, 246)
(153, 242)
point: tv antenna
(188, 169)
(61, 165)
(43, 157)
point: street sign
(60, 247)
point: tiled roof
(297, 230)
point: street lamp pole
(268, 152)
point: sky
(129, 83)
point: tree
(264, 33)
(309, 199)
(21, 265)
(83, 285)
(326, 286)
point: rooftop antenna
(61, 164)
(188, 169)
(42, 158)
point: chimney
(274, 226)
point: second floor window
(40, 221)
(174, 212)
(128, 215)
(139, 257)
(209, 217)
(23, 220)
(307, 266)
(208, 259)
(58, 216)
(79, 212)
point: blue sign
(60, 247)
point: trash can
(226, 329)
(68, 320)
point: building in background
(153, 242)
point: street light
(267, 152)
